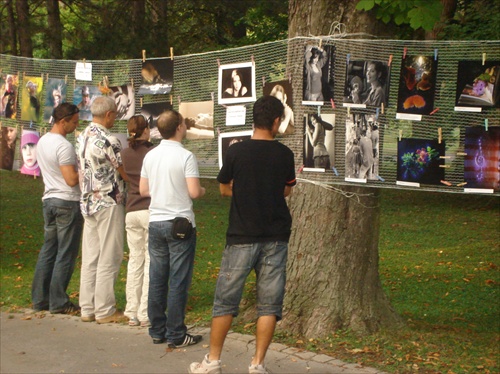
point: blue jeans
(170, 273)
(56, 261)
(269, 261)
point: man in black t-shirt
(258, 173)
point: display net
(196, 79)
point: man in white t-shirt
(170, 176)
(61, 213)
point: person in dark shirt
(258, 174)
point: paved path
(45, 343)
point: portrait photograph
(124, 98)
(83, 97)
(319, 142)
(282, 90)
(417, 85)
(419, 161)
(29, 141)
(55, 94)
(151, 112)
(318, 74)
(362, 144)
(8, 146)
(481, 162)
(227, 139)
(478, 84)
(8, 89)
(199, 118)
(31, 95)
(367, 84)
(157, 76)
(237, 83)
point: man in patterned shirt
(102, 177)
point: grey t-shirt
(54, 150)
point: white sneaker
(257, 369)
(206, 367)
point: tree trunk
(11, 21)
(54, 32)
(23, 19)
(449, 8)
(333, 281)
(315, 18)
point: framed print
(237, 83)
(199, 118)
(481, 162)
(151, 112)
(318, 74)
(29, 141)
(8, 146)
(31, 99)
(157, 77)
(419, 161)
(478, 85)
(319, 144)
(227, 139)
(417, 85)
(367, 84)
(125, 100)
(8, 89)
(361, 147)
(282, 90)
(55, 95)
(83, 97)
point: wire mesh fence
(196, 79)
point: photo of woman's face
(29, 154)
(11, 135)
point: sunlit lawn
(439, 256)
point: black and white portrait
(227, 139)
(282, 90)
(199, 118)
(319, 74)
(237, 83)
(361, 147)
(319, 142)
(151, 112)
(157, 76)
(367, 84)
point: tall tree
(54, 31)
(24, 32)
(333, 280)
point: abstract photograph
(419, 161)
(481, 162)
(417, 85)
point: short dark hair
(64, 110)
(168, 122)
(266, 110)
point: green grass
(439, 256)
